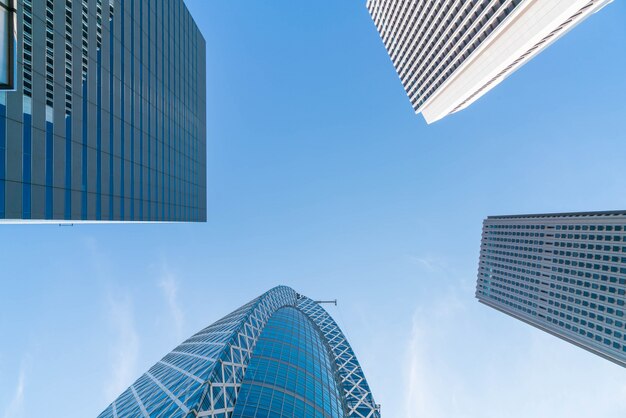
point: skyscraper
(280, 355)
(450, 53)
(107, 120)
(564, 273)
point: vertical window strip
(27, 54)
(85, 69)
(99, 110)
(27, 129)
(195, 129)
(3, 144)
(149, 105)
(190, 118)
(132, 110)
(162, 200)
(122, 108)
(111, 104)
(186, 136)
(68, 57)
(169, 116)
(49, 109)
(141, 58)
(68, 108)
(179, 64)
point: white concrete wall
(527, 26)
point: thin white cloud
(169, 286)
(416, 399)
(424, 375)
(429, 263)
(465, 362)
(124, 350)
(16, 405)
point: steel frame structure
(213, 362)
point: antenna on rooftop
(329, 302)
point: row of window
(513, 261)
(514, 226)
(596, 247)
(614, 323)
(510, 254)
(599, 338)
(608, 228)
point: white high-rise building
(449, 53)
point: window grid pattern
(49, 57)
(428, 40)
(68, 57)
(27, 55)
(542, 43)
(356, 391)
(290, 373)
(85, 39)
(125, 138)
(564, 273)
(203, 376)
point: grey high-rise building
(564, 273)
(106, 121)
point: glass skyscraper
(107, 119)
(450, 53)
(280, 355)
(563, 273)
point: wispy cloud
(416, 399)
(125, 343)
(460, 358)
(16, 405)
(169, 286)
(425, 372)
(429, 263)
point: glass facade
(280, 355)
(564, 273)
(107, 121)
(7, 44)
(291, 373)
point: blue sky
(321, 177)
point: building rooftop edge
(562, 214)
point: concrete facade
(562, 273)
(450, 53)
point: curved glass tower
(280, 355)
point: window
(7, 45)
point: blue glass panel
(99, 137)
(26, 166)
(290, 372)
(141, 168)
(3, 139)
(83, 209)
(68, 167)
(122, 109)
(111, 118)
(49, 169)
(132, 122)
